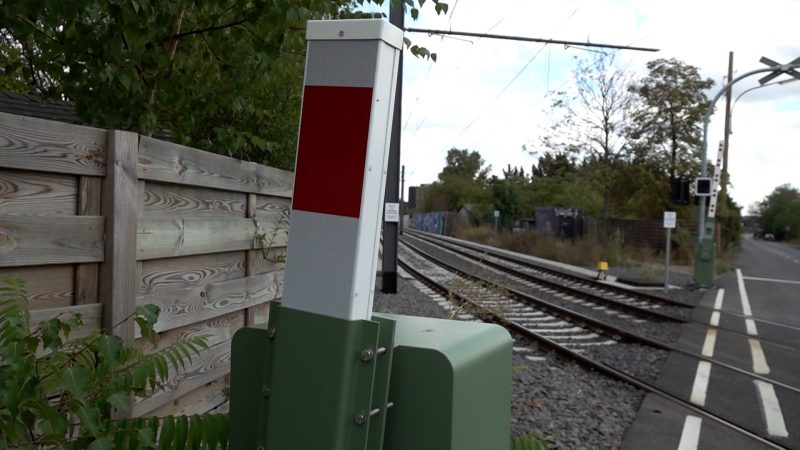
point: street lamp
(706, 253)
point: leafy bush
(532, 441)
(57, 392)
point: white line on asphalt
(746, 310)
(773, 280)
(718, 302)
(690, 436)
(759, 360)
(701, 383)
(715, 319)
(771, 409)
(708, 345)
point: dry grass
(581, 252)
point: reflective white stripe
(701, 383)
(718, 301)
(708, 345)
(690, 436)
(759, 359)
(714, 319)
(750, 324)
(771, 409)
(743, 294)
(772, 280)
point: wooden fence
(100, 221)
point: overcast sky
(491, 96)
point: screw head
(367, 354)
(341, 33)
(265, 391)
(360, 419)
(271, 333)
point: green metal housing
(450, 384)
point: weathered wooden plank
(210, 365)
(164, 237)
(87, 275)
(33, 240)
(90, 315)
(47, 286)
(258, 314)
(120, 200)
(219, 329)
(187, 306)
(173, 163)
(48, 146)
(199, 401)
(274, 260)
(174, 200)
(31, 193)
(160, 276)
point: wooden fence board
(117, 286)
(47, 286)
(160, 276)
(48, 146)
(176, 200)
(164, 237)
(87, 275)
(90, 314)
(272, 262)
(33, 240)
(31, 193)
(199, 401)
(205, 368)
(173, 163)
(186, 306)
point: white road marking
(772, 280)
(746, 310)
(743, 294)
(759, 360)
(714, 319)
(700, 386)
(708, 345)
(536, 358)
(718, 303)
(690, 436)
(771, 409)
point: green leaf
(414, 13)
(441, 8)
(167, 433)
(181, 432)
(75, 380)
(109, 347)
(120, 401)
(102, 443)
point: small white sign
(496, 213)
(670, 219)
(391, 212)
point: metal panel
(341, 63)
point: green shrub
(74, 393)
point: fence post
(117, 290)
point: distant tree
(463, 180)
(780, 213)
(591, 120)
(222, 75)
(669, 115)
(554, 164)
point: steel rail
(609, 328)
(590, 363)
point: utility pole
(390, 229)
(402, 196)
(723, 193)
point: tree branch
(177, 36)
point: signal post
(325, 372)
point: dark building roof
(34, 106)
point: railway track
(588, 341)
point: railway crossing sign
(779, 69)
(321, 372)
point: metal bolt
(265, 391)
(360, 419)
(341, 33)
(367, 354)
(271, 333)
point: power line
(528, 39)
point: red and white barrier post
(317, 375)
